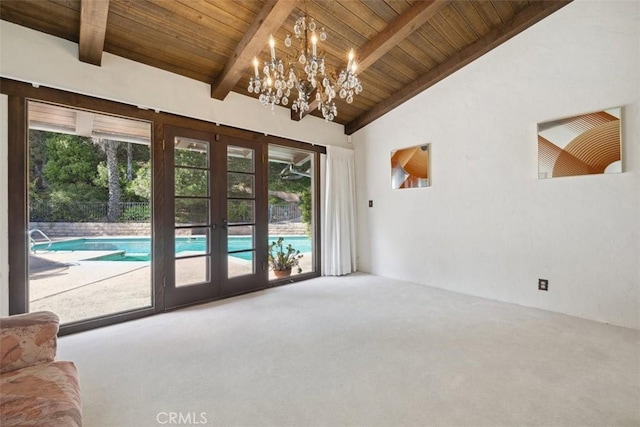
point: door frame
(18, 94)
(219, 284)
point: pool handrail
(32, 240)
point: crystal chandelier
(306, 72)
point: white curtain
(339, 242)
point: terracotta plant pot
(282, 273)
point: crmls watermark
(181, 418)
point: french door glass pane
(241, 211)
(191, 152)
(192, 182)
(240, 159)
(241, 238)
(241, 266)
(192, 241)
(192, 212)
(240, 185)
(192, 271)
(241, 250)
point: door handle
(224, 223)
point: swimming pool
(139, 248)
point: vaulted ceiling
(402, 46)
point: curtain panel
(339, 239)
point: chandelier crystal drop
(305, 71)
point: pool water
(139, 248)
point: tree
(70, 159)
(305, 206)
(37, 160)
(67, 169)
(140, 186)
(110, 147)
(129, 162)
(61, 170)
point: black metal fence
(55, 211)
(284, 213)
(50, 211)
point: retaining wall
(82, 229)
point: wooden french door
(216, 201)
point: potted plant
(283, 258)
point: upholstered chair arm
(27, 339)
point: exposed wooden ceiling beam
(93, 27)
(269, 19)
(533, 13)
(397, 30)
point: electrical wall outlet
(543, 284)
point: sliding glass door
(291, 210)
(89, 223)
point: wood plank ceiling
(402, 46)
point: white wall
(4, 233)
(488, 226)
(39, 58)
(35, 57)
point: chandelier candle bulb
(255, 67)
(351, 56)
(272, 45)
(314, 44)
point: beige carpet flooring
(358, 351)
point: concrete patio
(76, 288)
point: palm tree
(110, 147)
